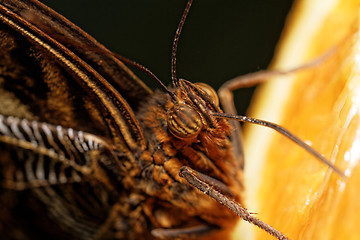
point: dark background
(220, 40)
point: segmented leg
(226, 96)
(201, 183)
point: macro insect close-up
(89, 151)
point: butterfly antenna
(145, 70)
(175, 43)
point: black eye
(183, 121)
(210, 91)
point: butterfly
(90, 152)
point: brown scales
(209, 153)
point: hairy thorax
(171, 201)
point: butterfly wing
(58, 86)
(84, 46)
(52, 72)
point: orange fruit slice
(286, 186)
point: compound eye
(184, 122)
(210, 91)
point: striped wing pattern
(71, 153)
(58, 166)
(46, 91)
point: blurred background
(220, 40)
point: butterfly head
(191, 112)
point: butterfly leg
(197, 231)
(197, 180)
(226, 96)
